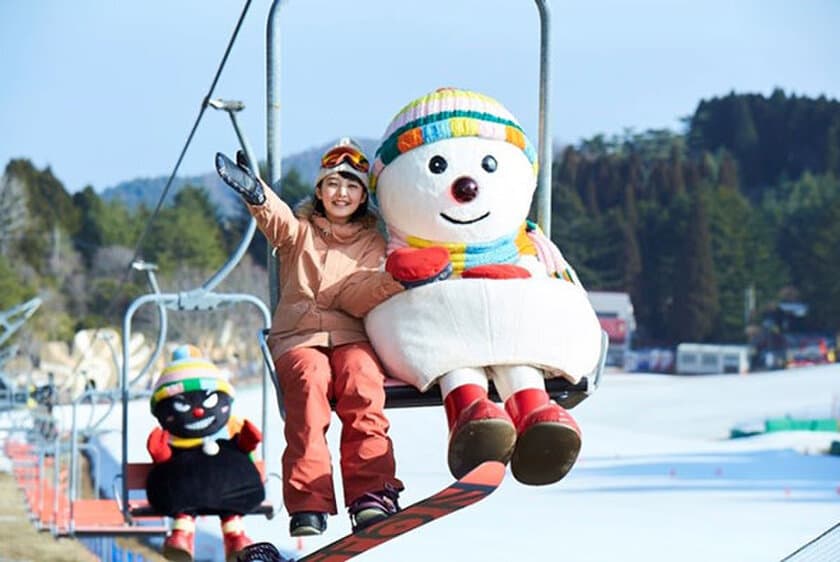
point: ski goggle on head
(348, 154)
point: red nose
(464, 189)
(198, 412)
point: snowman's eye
(180, 406)
(489, 164)
(437, 165)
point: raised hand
(240, 177)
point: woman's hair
(361, 210)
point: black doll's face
(197, 413)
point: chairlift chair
(206, 299)
(397, 393)
(203, 298)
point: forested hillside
(747, 197)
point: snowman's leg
(548, 439)
(479, 430)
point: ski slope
(658, 478)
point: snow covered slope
(658, 479)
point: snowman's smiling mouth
(468, 221)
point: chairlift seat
(399, 394)
(101, 516)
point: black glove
(240, 177)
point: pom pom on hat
(189, 371)
(449, 113)
(185, 351)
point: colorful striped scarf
(528, 240)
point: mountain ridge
(147, 191)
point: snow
(658, 477)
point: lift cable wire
(165, 192)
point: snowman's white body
(457, 331)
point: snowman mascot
(455, 174)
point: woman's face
(341, 197)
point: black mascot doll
(202, 455)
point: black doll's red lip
(470, 221)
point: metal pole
(232, 107)
(124, 384)
(243, 142)
(150, 268)
(273, 130)
(545, 148)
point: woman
(330, 254)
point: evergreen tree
(768, 272)
(660, 231)
(773, 139)
(631, 261)
(696, 304)
(659, 184)
(591, 198)
(187, 234)
(728, 172)
(567, 168)
(745, 137)
(570, 230)
(808, 241)
(729, 219)
(605, 257)
(820, 287)
(832, 146)
(631, 211)
(675, 164)
(103, 223)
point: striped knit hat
(449, 113)
(189, 371)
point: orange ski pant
(351, 374)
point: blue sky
(107, 91)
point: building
(708, 359)
(615, 313)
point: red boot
(179, 546)
(233, 532)
(479, 430)
(548, 439)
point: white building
(707, 359)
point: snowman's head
(454, 166)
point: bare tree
(13, 212)
(229, 334)
(111, 261)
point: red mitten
(158, 445)
(496, 271)
(417, 266)
(248, 437)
